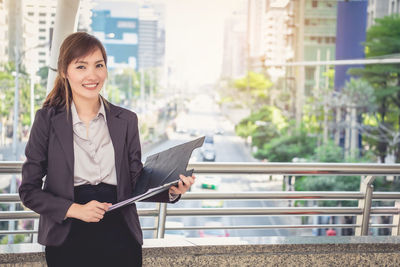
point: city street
(203, 118)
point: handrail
(296, 168)
(363, 211)
(267, 195)
(283, 168)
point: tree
(288, 146)
(253, 89)
(262, 126)
(383, 39)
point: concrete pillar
(65, 24)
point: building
(116, 25)
(255, 33)
(278, 35)
(381, 8)
(318, 38)
(119, 36)
(3, 31)
(133, 34)
(148, 38)
(270, 34)
(30, 28)
(234, 57)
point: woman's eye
(99, 65)
(80, 67)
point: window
(42, 62)
(310, 73)
(42, 30)
(314, 4)
(42, 38)
(42, 53)
(31, 13)
(42, 22)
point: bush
(287, 147)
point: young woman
(89, 151)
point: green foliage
(6, 90)
(383, 39)
(329, 152)
(359, 93)
(328, 183)
(257, 82)
(262, 126)
(128, 82)
(288, 146)
(381, 184)
(253, 89)
(19, 238)
(43, 73)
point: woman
(89, 151)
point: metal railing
(363, 211)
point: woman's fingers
(94, 211)
(183, 185)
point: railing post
(365, 204)
(157, 220)
(396, 220)
(162, 215)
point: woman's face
(86, 76)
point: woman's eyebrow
(85, 62)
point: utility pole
(248, 47)
(300, 57)
(16, 103)
(142, 99)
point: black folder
(161, 171)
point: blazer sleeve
(135, 161)
(35, 168)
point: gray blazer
(49, 152)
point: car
(212, 203)
(213, 232)
(210, 183)
(209, 139)
(219, 131)
(208, 152)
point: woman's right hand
(92, 211)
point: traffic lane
(256, 220)
(231, 148)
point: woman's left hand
(183, 185)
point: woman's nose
(92, 72)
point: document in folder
(161, 171)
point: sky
(194, 39)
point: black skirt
(106, 243)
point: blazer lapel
(63, 129)
(117, 128)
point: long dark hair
(75, 46)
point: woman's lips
(90, 86)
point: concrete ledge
(232, 251)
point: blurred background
(263, 80)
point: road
(203, 117)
